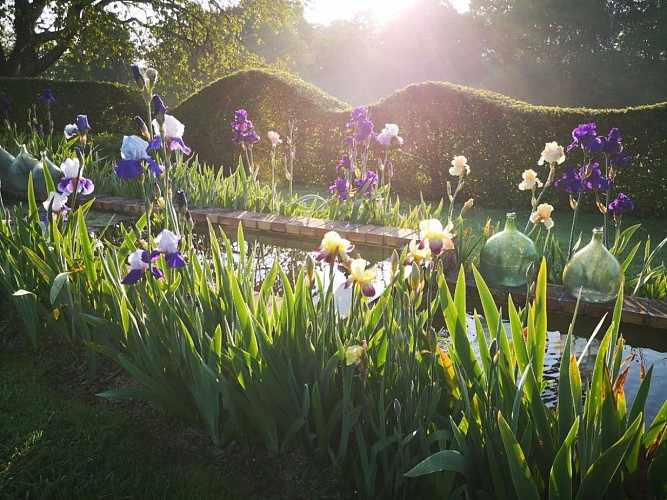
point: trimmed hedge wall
(110, 107)
(500, 137)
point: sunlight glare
(327, 11)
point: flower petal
(128, 169)
(175, 260)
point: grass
(57, 440)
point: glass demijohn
(506, 255)
(593, 273)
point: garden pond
(643, 345)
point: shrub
(500, 137)
(109, 106)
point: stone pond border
(636, 310)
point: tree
(35, 34)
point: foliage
(370, 391)
(508, 442)
(110, 106)
(55, 441)
(35, 35)
(438, 121)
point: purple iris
(571, 180)
(365, 131)
(159, 109)
(621, 205)
(181, 200)
(345, 163)
(46, 97)
(68, 185)
(368, 183)
(82, 124)
(6, 105)
(612, 143)
(168, 244)
(340, 187)
(130, 169)
(138, 77)
(141, 262)
(595, 181)
(619, 159)
(356, 116)
(244, 128)
(586, 138)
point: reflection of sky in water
(555, 344)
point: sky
(327, 11)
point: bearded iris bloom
(345, 164)
(530, 180)
(46, 97)
(553, 153)
(585, 137)
(389, 132)
(368, 183)
(6, 105)
(135, 159)
(140, 262)
(72, 179)
(55, 205)
(595, 181)
(341, 187)
(459, 166)
(167, 244)
(362, 275)
(438, 238)
(333, 246)
(543, 215)
(173, 135)
(621, 205)
(419, 253)
(244, 128)
(571, 181)
(80, 128)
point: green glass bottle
(593, 273)
(506, 256)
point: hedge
(110, 107)
(500, 137)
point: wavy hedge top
(500, 137)
(110, 107)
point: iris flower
(459, 166)
(55, 204)
(167, 244)
(621, 205)
(341, 187)
(72, 179)
(418, 253)
(368, 183)
(173, 135)
(530, 180)
(46, 97)
(389, 132)
(332, 246)
(363, 276)
(435, 236)
(135, 159)
(543, 215)
(140, 262)
(552, 153)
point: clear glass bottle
(505, 258)
(593, 273)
